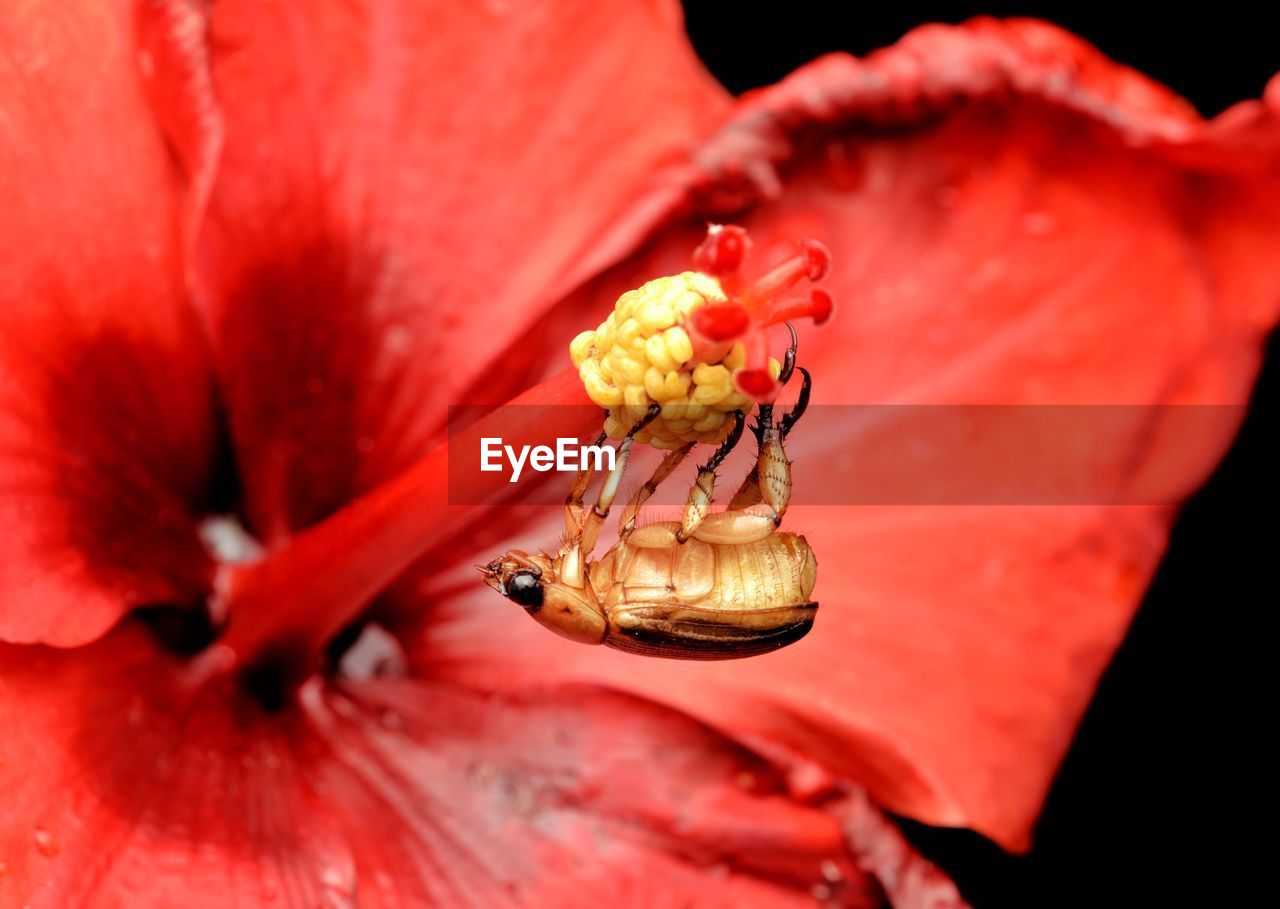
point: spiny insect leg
(609, 489)
(700, 496)
(573, 510)
(669, 463)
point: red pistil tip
(752, 307)
(822, 305)
(757, 384)
(723, 251)
(719, 322)
(755, 378)
(818, 259)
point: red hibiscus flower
(253, 251)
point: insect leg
(770, 480)
(747, 520)
(573, 511)
(773, 470)
(670, 462)
(582, 527)
(802, 404)
(789, 358)
(609, 490)
(750, 492)
(699, 501)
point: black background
(1166, 797)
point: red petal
(402, 193)
(572, 797)
(106, 441)
(125, 790)
(1033, 224)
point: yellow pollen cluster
(641, 355)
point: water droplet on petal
(46, 842)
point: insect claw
(789, 360)
(798, 409)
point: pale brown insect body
(707, 587)
(707, 600)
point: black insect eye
(525, 588)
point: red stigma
(720, 322)
(723, 251)
(822, 305)
(817, 258)
(756, 383)
(754, 306)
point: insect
(708, 587)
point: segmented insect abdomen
(779, 570)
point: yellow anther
(655, 349)
(641, 355)
(655, 315)
(629, 370)
(678, 345)
(636, 398)
(707, 395)
(707, 422)
(580, 347)
(712, 375)
(675, 386)
(654, 385)
(629, 332)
